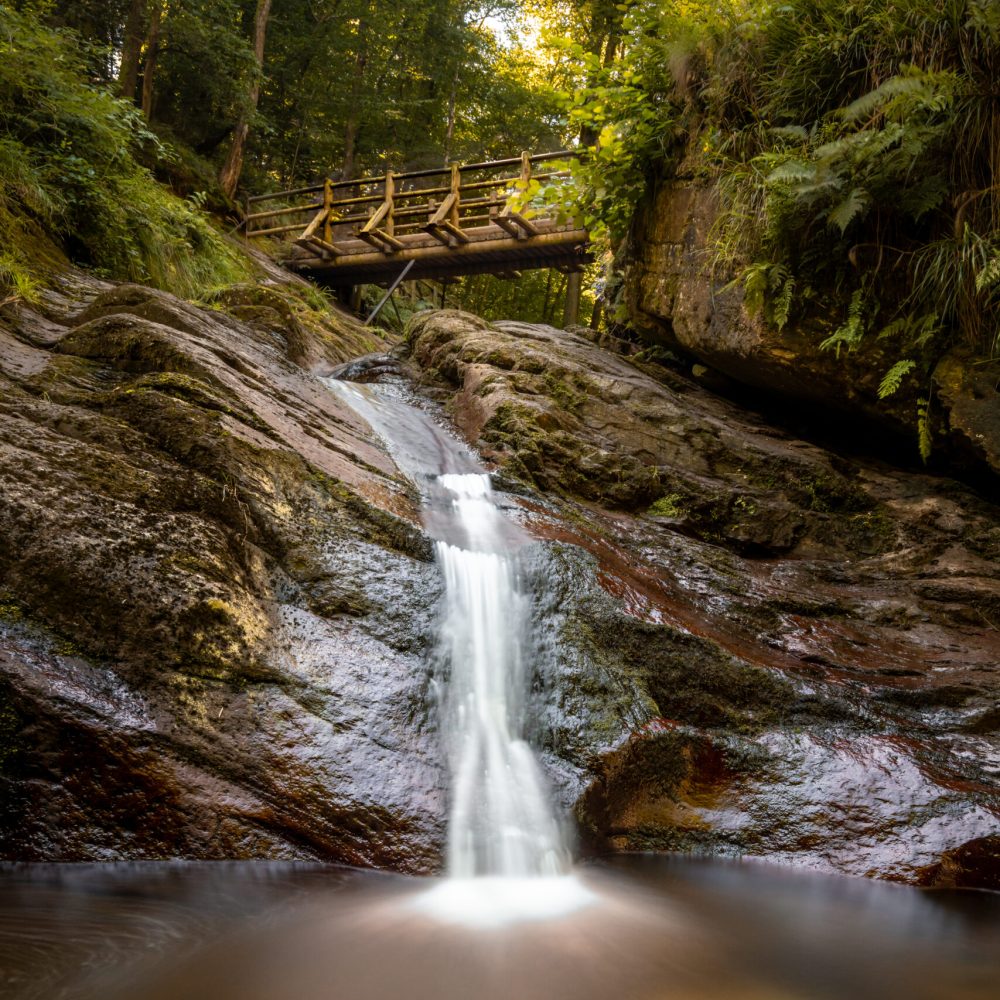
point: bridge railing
(442, 203)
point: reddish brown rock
(785, 652)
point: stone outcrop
(673, 297)
(763, 647)
(218, 607)
(208, 640)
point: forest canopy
(854, 145)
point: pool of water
(630, 928)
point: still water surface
(643, 927)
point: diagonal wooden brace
(380, 239)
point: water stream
(501, 821)
(502, 827)
(512, 917)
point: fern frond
(896, 327)
(927, 329)
(790, 132)
(893, 378)
(755, 288)
(925, 440)
(852, 207)
(924, 197)
(782, 305)
(989, 277)
(792, 171)
(874, 100)
(852, 332)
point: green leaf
(925, 439)
(792, 171)
(852, 207)
(989, 277)
(893, 378)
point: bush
(855, 144)
(70, 161)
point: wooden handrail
(395, 206)
(562, 154)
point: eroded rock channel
(219, 604)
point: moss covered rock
(189, 526)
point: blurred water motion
(647, 927)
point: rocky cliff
(219, 607)
(762, 646)
(674, 296)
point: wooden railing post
(443, 224)
(456, 190)
(514, 222)
(327, 209)
(390, 194)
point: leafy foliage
(854, 145)
(893, 378)
(69, 156)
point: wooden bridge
(439, 224)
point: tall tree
(354, 108)
(128, 71)
(152, 58)
(229, 176)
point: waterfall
(501, 821)
(506, 856)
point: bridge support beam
(571, 308)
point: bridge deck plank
(489, 248)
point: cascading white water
(501, 821)
(506, 856)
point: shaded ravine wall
(675, 297)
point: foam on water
(488, 902)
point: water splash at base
(489, 902)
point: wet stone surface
(216, 596)
(719, 681)
(218, 605)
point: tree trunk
(152, 54)
(354, 113)
(229, 176)
(128, 72)
(450, 133)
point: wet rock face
(804, 671)
(217, 605)
(209, 644)
(673, 298)
(573, 419)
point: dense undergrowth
(856, 146)
(75, 163)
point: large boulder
(802, 670)
(673, 296)
(209, 641)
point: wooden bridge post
(390, 197)
(571, 309)
(456, 190)
(525, 167)
(327, 209)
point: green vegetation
(70, 161)
(344, 87)
(856, 146)
(671, 505)
(97, 99)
